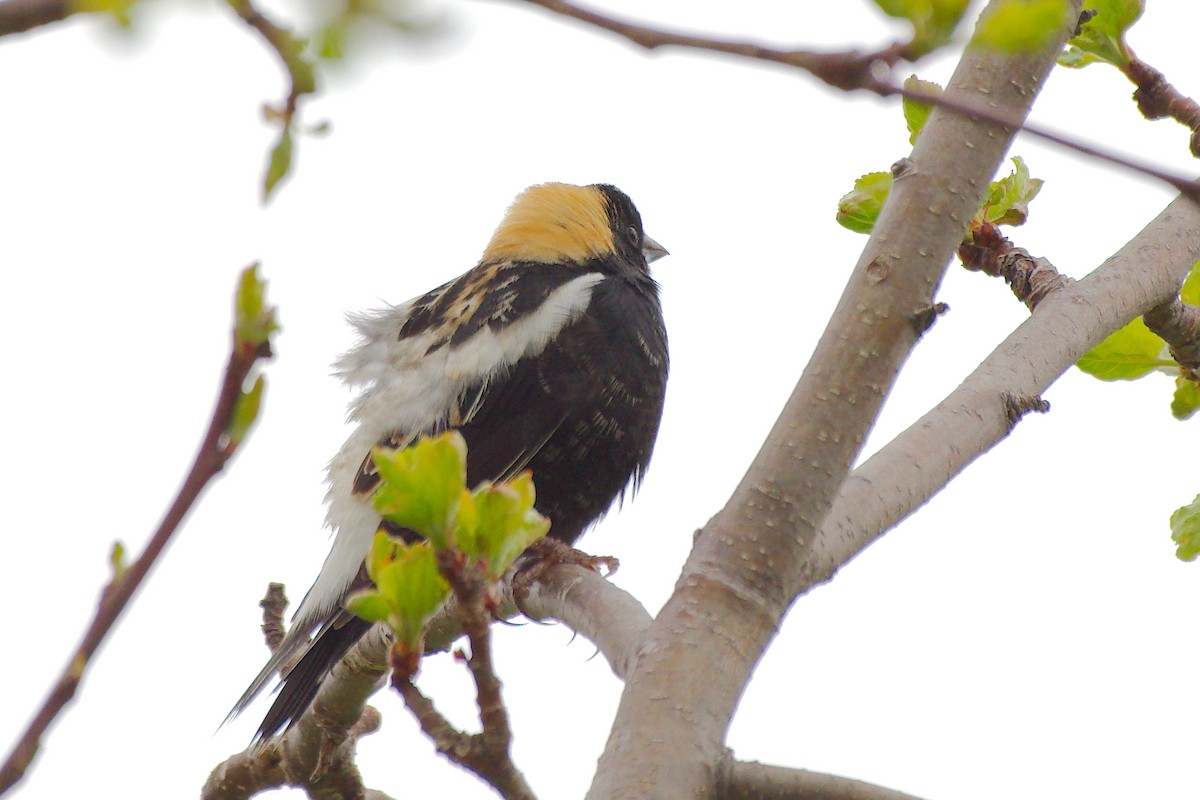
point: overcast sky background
(1029, 633)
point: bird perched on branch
(550, 355)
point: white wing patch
(407, 388)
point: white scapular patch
(406, 388)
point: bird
(550, 355)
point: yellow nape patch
(551, 223)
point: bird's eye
(633, 234)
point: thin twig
(301, 78)
(990, 252)
(1179, 325)
(488, 754)
(215, 451)
(849, 70)
(1156, 98)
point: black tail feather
(300, 685)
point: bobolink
(550, 355)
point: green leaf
(1008, 199)
(413, 590)
(933, 21)
(331, 40)
(1021, 27)
(278, 164)
(1186, 400)
(1185, 530)
(916, 112)
(858, 209)
(423, 485)
(1190, 293)
(1129, 353)
(254, 320)
(1102, 38)
(369, 605)
(507, 523)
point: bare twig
(217, 447)
(849, 70)
(990, 252)
(487, 754)
(750, 780)
(1156, 98)
(1179, 325)
(273, 604)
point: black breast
(583, 414)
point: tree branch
(1156, 98)
(749, 562)
(1179, 325)
(750, 780)
(915, 465)
(216, 448)
(850, 70)
(18, 16)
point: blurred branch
(750, 780)
(230, 422)
(301, 78)
(850, 70)
(844, 70)
(18, 16)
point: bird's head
(559, 222)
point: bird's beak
(652, 250)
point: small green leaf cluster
(933, 21)
(1135, 351)
(1021, 27)
(424, 490)
(254, 320)
(1007, 200)
(1101, 39)
(1006, 203)
(1185, 530)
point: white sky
(1029, 633)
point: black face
(626, 225)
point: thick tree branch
(919, 462)
(749, 780)
(749, 562)
(216, 448)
